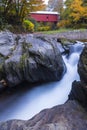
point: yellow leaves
(76, 13)
(77, 10)
(85, 12)
(36, 5)
(76, 16)
(28, 25)
(63, 23)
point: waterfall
(24, 105)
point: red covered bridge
(45, 16)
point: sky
(46, 1)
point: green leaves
(19, 9)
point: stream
(24, 104)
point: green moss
(1, 68)
(29, 45)
(22, 60)
(2, 59)
(25, 47)
(65, 41)
(24, 56)
(1, 71)
(13, 48)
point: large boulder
(70, 116)
(29, 58)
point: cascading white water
(26, 104)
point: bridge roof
(45, 12)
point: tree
(79, 12)
(19, 9)
(66, 11)
(59, 6)
(36, 5)
(55, 5)
(84, 2)
(75, 12)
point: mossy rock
(65, 41)
(22, 61)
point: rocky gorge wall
(79, 89)
(69, 116)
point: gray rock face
(79, 89)
(39, 59)
(79, 93)
(70, 116)
(64, 117)
(26, 58)
(82, 66)
(7, 43)
(1, 86)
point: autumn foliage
(28, 26)
(13, 12)
(75, 13)
(79, 12)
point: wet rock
(82, 65)
(7, 43)
(39, 59)
(79, 88)
(68, 45)
(70, 116)
(29, 58)
(79, 93)
(65, 41)
(12, 125)
(1, 86)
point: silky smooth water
(24, 105)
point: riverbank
(70, 115)
(73, 34)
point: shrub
(63, 23)
(80, 25)
(3, 22)
(44, 28)
(52, 25)
(28, 25)
(36, 24)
